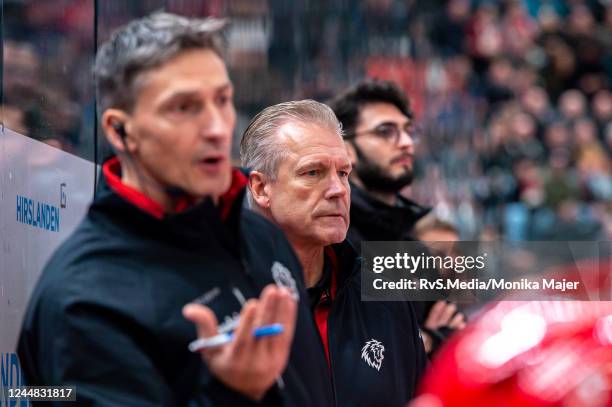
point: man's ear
(114, 123)
(258, 185)
(350, 149)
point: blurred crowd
(516, 111)
(513, 97)
(514, 102)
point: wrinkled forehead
(312, 142)
(300, 137)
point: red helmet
(526, 353)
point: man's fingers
(435, 312)
(243, 335)
(266, 315)
(447, 314)
(287, 316)
(278, 346)
(458, 321)
(266, 312)
(203, 317)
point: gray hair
(145, 44)
(260, 149)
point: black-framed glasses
(389, 132)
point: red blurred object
(407, 73)
(527, 353)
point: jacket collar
(345, 263)
(111, 170)
(376, 220)
(193, 225)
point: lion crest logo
(282, 277)
(372, 353)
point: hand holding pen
(224, 338)
(256, 353)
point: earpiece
(120, 129)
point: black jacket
(106, 314)
(374, 220)
(376, 353)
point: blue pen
(222, 339)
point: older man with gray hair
(298, 179)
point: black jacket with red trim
(106, 317)
(375, 353)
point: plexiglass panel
(48, 49)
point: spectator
(466, 66)
(380, 137)
(601, 106)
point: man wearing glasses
(380, 136)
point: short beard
(374, 178)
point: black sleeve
(88, 347)
(107, 357)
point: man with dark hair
(380, 136)
(375, 116)
(166, 236)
